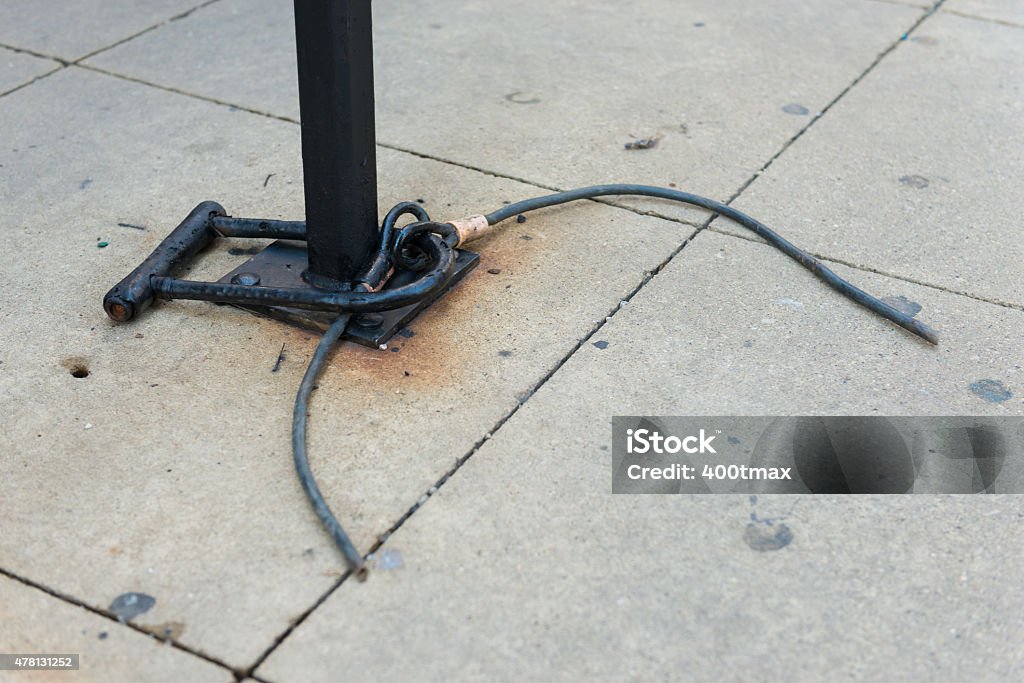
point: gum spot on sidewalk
(991, 390)
(765, 538)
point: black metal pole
(334, 42)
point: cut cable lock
(422, 247)
(455, 233)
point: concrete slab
(1009, 11)
(915, 171)
(525, 566)
(248, 55)
(71, 29)
(167, 469)
(33, 622)
(18, 68)
(532, 91)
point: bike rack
(339, 258)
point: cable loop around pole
(407, 254)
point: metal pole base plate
(281, 265)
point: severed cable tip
(929, 334)
(470, 228)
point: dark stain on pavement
(517, 98)
(170, 630)
(127, 606)
(903, 305)
(764, 539)
(765, 534)
(643, 143)
(991, 390)
(917, 182)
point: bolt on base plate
(282, 263)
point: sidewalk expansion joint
(989, 20)
(110, 617)
(64, 63)
(871, 67)
(504, 176)
(30, 82)
(383, 145)
(877, 271)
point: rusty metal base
(281, 265)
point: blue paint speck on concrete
(390, 559)
(127, 606)
(991, 390)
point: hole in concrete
(78, 366)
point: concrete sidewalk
(153, 458)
